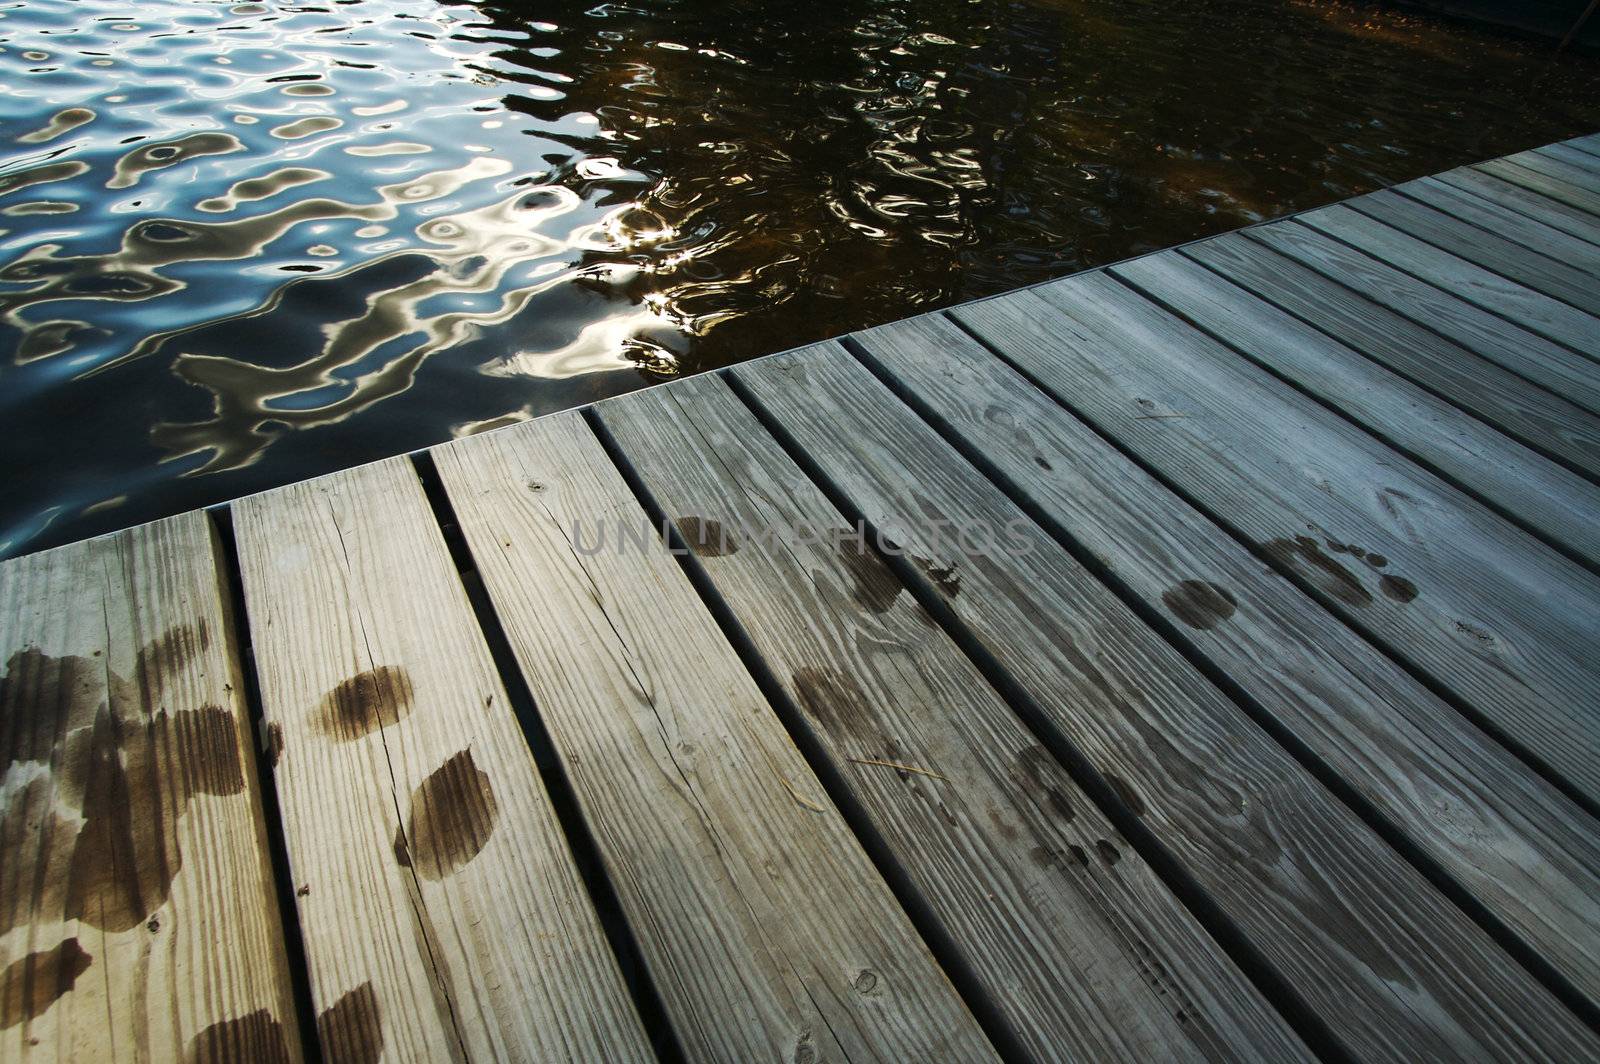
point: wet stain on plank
(128, 766)
(1125, 791)
(166, 657)
(874, 586)
(1377, 561)
(42, 697)
(255, 1038)
(1007, 832)
(945, 577)
(1041, 773)
(1397, 587)
(272, 746)
(210, 745)
(453, 813)
(402, 852)
(834, 701)
(1200, 603)
(29, 986)
(365, 702)
(351, 1029)
(706, 538)
(127, 853)
(1305, 556)
(33, 886)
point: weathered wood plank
(1523, 850)
(1492, 614)
(443, 915)
(1515, 302)
(1565, 373)
(1563, 170)
(1573, 151)
(1392, 968)
(1589, 142)
(1557, 215)
(1530, 414)
(1082, 962)
(1542, 183)
(1505, 222)
(1491, 250)
(138, 919)
(1540, 494)
(764, 926)
(1584, 166)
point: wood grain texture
(1523, 850)
(442, 913)
(1579, 166)
(1505, 221)
(1392, 968)
(1083, 961)
(1516, 302)
(1543, 182)
(138, 919)
(1540, 494)
(764, 926)
(1503, 254)
(1561, 371)
(1536, 417)
(1493, 615)
(1576, 223)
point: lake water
(243, 244)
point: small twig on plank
(897, 765)
(802, 799)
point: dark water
(242, 244)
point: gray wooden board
(138, 916)
(1527, 488)
(1513, 301)
(1536, 417)
(1491, 250)
(1544, 183)
(1563, 372)
(442, 912)
(1529, 854)
(764, 926)
(1589, 143)
(1083, 962)
(1562, 169)
(1584, 168)
(1492, 614)
(1393, 969)
(1553, 213)
(1547, 242)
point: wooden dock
(1197, 658)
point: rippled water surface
(242, 244)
